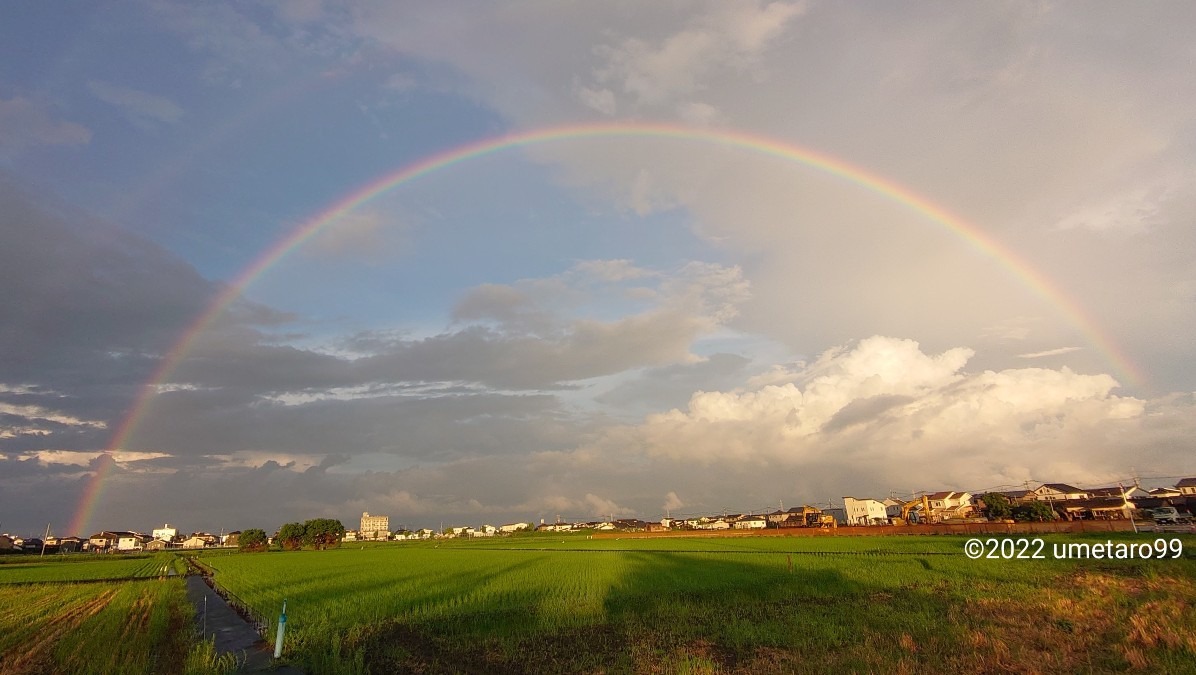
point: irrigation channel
(235, 629)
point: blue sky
(552, 329)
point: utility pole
(43, 553)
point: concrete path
(233, 634)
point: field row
(89, 568)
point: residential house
(70, 545)
(1187, 487)
(130, 541)
(950, 504)
(486, 531)
(712, 524)
(231, 539)
(195, 541)
(1096, 508)
(893, 507)
(865, 511)
(6, 543)
(102, 541)
(157, 545)
(1116, 491)
(1019, 496)
(751, 523)
(510, 528)
(1054, 492)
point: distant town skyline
(483, 263)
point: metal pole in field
(205, 617)
(282, 626)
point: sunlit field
(103, 627)
(750, 605)
(87, 567)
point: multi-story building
(864, 512)
(166, 532)
(374, 527)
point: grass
(828, 604)
(110, 627)
(87, 567)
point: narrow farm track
(33, 657)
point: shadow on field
(670, 612)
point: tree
(1034, 512)
(323, 532)
(997, 506)
(291, 536)
(252, 540)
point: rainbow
(739, 140)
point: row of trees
(998, 507)
(320, 533)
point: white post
(282, 626)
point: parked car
(1169, 515)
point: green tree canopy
(253, 540)
(291, 536)
(997, 506)
(1034, 512)
(323, 532)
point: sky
(269, 261)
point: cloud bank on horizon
(587, 327)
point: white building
(166, 533)
(751, 523)
(514, 527)
(374, 527)
(864, 512)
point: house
(1054, 492)
(1160, 493)
(1117, 491)
(486, 531)
(893, 507)
(1096, 508)
(951, 504)
(510, 528)
(1018, 496)
(864, 511)
(102, 541)
(712, 524)
(130, 541)
(157, 545)
(231, 539)
(195, 541)
(6, 543)
(751, 523)
(1187, 487)
(794, 514)
(70, 545)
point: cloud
(1050, 352)
(731, 36)
(143, 110)
(25, 123)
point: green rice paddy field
(714, 605)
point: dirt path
(233, 634)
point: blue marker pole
(282, 626)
